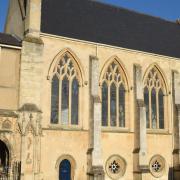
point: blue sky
(3, 13)
(167, 9)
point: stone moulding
(33, 39)
(8, 113)
(30, 108)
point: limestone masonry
(88, 91)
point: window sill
(115, 129)
(64, 127)
(158, 131)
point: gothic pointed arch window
(113, 93)
(154, 98)
(65, 92)
(65, 170)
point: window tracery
(154, 99)
(115, 166)
(113, 96)
(65, 92)
(157, 166)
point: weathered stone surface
(95, 132)
(141, 134)
(177, 87)
(32, 94)
(138, 83)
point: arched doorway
(65, 170)
(4, 160)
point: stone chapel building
(88, 91)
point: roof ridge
(130, 10)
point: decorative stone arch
(72, 162)
(66, 67)
(76, 61)
(161, 73)
(121, 65)
(121, 85)
(11, 154)
(9, 146)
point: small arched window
(65, 92)
(154, 99)
(113, 96)
(65, 170)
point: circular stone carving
(115, 166)
(157, 166)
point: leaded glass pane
(65, 101)
(113, 105)
(153, 108)
(146, 101)
(74, 102)
(121, 106)
(69, 91)
(65, 170)
(154, 86)
(104, 104)
(55, 100)
(161, 109)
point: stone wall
(115, 141)
(9, 78)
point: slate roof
(102, 23)
(9, 39)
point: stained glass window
(65, 170)
(113, 96)
(65, 101)
(121, 106)
(104, 104)
(153, 108)
(65, 92)
(74, 102)
(146, 101)
(154, 99)
(55, 100)
(161, 109)
(113, 105)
